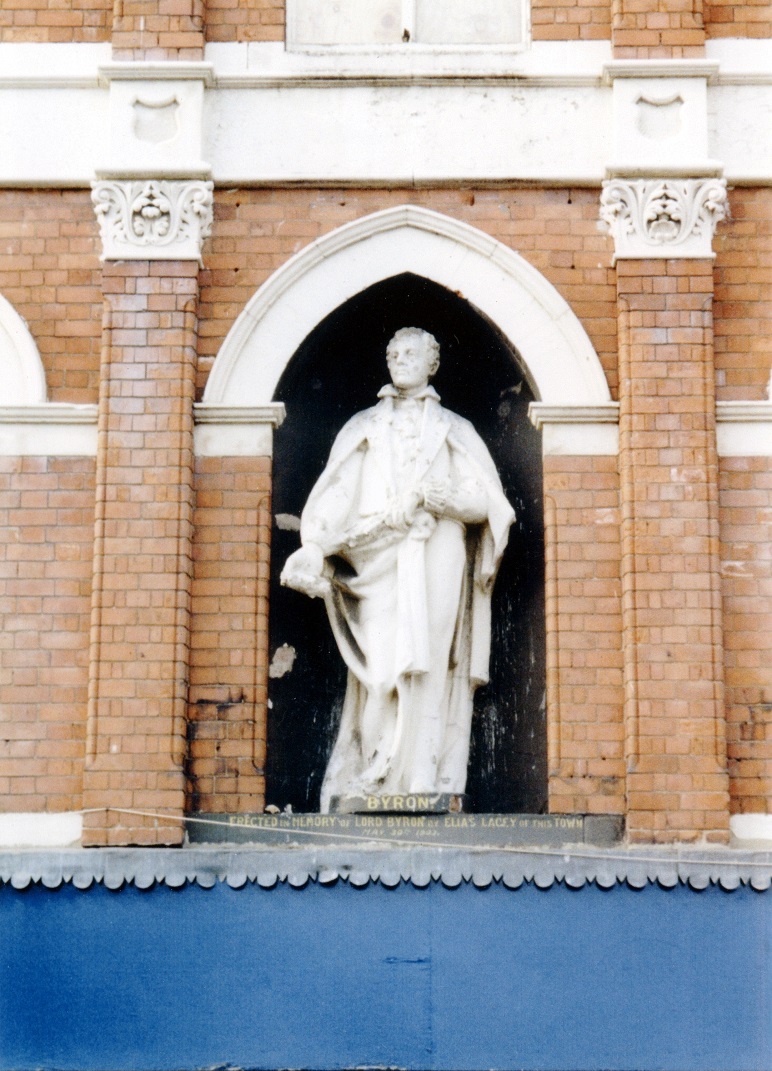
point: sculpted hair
(428, 340)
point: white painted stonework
(581, 431)
(558, 357)
(235, 431)
(665, 218)
(660, 122)
(744, 429)
(56, 429)
(153, 219)
(751, 829)
(409, 132)
(404, 23)
(50, 429)
(554, 112)
(156, 120)
(40, 830)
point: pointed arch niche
(313, 338)
(558, 357)
(24, 381)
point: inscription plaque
(434, 830)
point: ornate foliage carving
(663, 217)
(153, 219)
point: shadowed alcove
(336, 372)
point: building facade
(212, 212)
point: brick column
(673, 653)
(660, 29)
(158, 29)
(140, 610)
(675, 727)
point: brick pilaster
(158, 29)
(142, 555)
(673, 652)
(665, 28)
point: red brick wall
(140, 626)
(659, 28)
(245, 20)
(746, 568)
(263, 20)
(55, 21)
(726, 19)
(584, 635)
(46, 545)
(158, 29)
(570, 20)
(229, 637)
(672, 628)
(743, 300)
(50, 273)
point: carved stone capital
(153, 219)
(665, 218)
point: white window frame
(410, 47)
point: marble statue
(402, 536)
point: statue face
(410, 362)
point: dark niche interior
(336, 372)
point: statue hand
(435, 497)
(304, 571)
(402, 513)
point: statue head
(413, 357)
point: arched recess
(286, 345)
(21, 369)
(336, 372)
(559, 359)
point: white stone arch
(21, 369)
(560, 360)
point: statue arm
(323, 522)
(463, 500)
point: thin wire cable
(567, 853)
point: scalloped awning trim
(237, 867)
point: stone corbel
(663, 218)
(236, 430)
(577, 430)
(153, 219)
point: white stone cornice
(744, 429)
(156, 71)
(236, 430)
(660, 68)
(153, 219)
(207, 413)
(57, 429)
(663, 218)
(48, 429)
(577, 430)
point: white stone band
(663, 218)
(55, 429)
(577, 430)
(155, 219)
(743, 429)
(235, 431)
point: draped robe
(409, 609)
